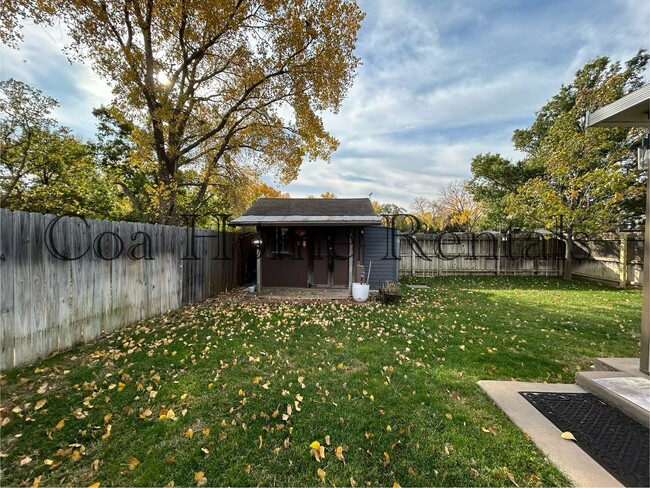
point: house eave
(630, 111)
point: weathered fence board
(65, 281)
(7, 310)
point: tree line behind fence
(524, 254)
(66, 280)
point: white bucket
(360, 291)
(251, 289)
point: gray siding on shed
(378, 250)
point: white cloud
(41, 64)
(444, 81)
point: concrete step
(625, 365)
(628, 393)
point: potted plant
(390, 291)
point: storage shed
(312, 242)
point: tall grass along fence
(67, 280)
(611, 258)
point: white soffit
(630, 111)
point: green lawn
(394, 386)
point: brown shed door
(329, 260)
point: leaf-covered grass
(257, 382)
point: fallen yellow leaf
(25, 460)
(189, 433)
(40, 404)
(339, 454)
(321, 474)
(76, 455)
(60, 424)
(315, 445)
(568, 436)
(200, 478)
(133, 462)
(511, 477)
(94, 485)
(36, 482)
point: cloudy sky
(441, 81)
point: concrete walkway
(576, 464)
(300, 294)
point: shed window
(281, 244)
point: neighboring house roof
(309, 211)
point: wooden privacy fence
(615, 259)
(466, 253)
(66, 280)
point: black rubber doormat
(615, 441)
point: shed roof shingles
(311, 206)
(309, 210)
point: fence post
(622, 260)
(412, 261)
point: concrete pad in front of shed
(418, 287)
(575, 463)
